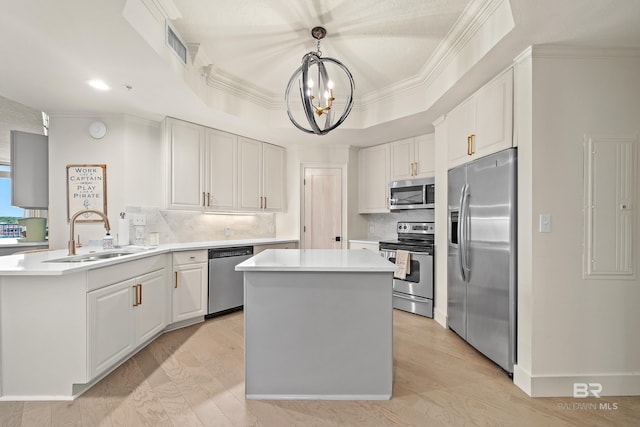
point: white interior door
(322, 208)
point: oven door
(419, 281)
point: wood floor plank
(66, 414)
(36, 414)
(11, 413)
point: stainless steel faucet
(72, 222)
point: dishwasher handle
(230, 252)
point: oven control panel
(416, 228)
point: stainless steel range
(414, 293)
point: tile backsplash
(182, 226)
(383, 226)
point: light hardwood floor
(194, 377)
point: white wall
(288, 223)
(132, 151)
(572, 329)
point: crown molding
(163, 10)
(565, 51)
(231, 85)
(464, 29)
(477, 13)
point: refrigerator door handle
(464, 232)
(460, 233)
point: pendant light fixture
(321, 93)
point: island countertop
(316, 260)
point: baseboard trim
(626, 384)
(440, 317)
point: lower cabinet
(124, 315)
(190, 285)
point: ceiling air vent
(177, 46)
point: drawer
(190, 257)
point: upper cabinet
(221, 157)
(29, 170)
(261, 176)
(374, 179)
(210, 170)
(412, 158)
(186, 163)
(483, 124)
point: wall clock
(97, 130)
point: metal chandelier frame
(306, 96)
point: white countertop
(8, 242)
(316, 260)
(38, 263)
(364, 241)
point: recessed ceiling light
(98, 84)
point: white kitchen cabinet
(260, 176)
(221, 155)
(273, 168)
(374, 179)
(111, 329)
(187, 167)
(412, 158)
(151, 312)
(203, 167)
(123, 316)
(212, 171)
(190, 285)
(483, 124)
(29, 170)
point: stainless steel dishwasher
(226, 287)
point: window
(9, 215)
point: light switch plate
(545, 223)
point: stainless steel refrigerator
(482, 255)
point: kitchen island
(318, 325)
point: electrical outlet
(227, 231)
(139, 219)
(139, 232)
(372, 228)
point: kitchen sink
(97, 256)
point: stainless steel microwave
(412, 194)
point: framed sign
(86, 189)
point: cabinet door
(151, 314)
(190, 291)
(273, 177)
(424, 154)
(494, 116)
(186, 144)
(222, 167)
(374, 179)
(249, 174)
(111, 328)
(402, 158)
(29, 170)
(460, 126)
